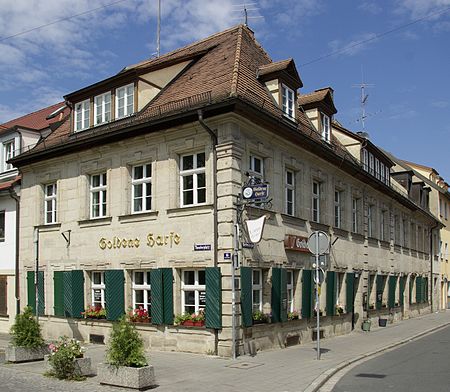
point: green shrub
(26, 331)
(125, 346)
(62, 356)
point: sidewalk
(293, 369)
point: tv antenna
(364, 98)
(245, 8)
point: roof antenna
(158, 33)
(364, 98)
(244, 7)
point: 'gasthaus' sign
(151, 241)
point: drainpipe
(213, 136)
(16, 198)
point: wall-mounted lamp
(66, 236)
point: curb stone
(319, 381)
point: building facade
(135, 200)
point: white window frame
(288, 101)
(101, 190)
(382, 172)
(253, 166)
(9, 149)
(84, 113)
(370, 211)
(326, 127)
(2, 225)
(126, 99)
(355, 222)
(50, 200)
(196, 288)
(289, 186)
(145, 182)
(315, 207)
(98, 286)
(290, 290)
(259, 288)
(195, 172)
(101, 110)
(145, 287)
(337, 208)
(387, 175)
(365, 158)
(371, 164)
(377, 168)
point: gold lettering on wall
(152, 240)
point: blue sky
(407, 107)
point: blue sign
(201, 247)
(258, 191)
(227, 256)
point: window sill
(319, 226)
(385, 244)
(138, 217)
(340, 232)
(372, 241)
(190, 210)
(95, 222)
(293, 220)
(49, 227)
(357, 237)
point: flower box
(83, 366)
(127, 377)
(24, 354)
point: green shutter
(379, 292)
(392, 288)
(32, 293)
(426, 290)
(73, 293)
(167, 280)
(418, 289)
(283, 296)
(58, 293)
(331, 293)
(307, 294)
(114, 294)
(402, 290)
(350, 293)
(246, 296)
(276, 295)
(410, 289)
(213, 279)
(156, 282)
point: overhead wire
(61, 20)
(375, 37)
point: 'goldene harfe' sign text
(152, 240)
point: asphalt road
(419, 366)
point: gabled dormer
(319, 107)
(122, 95)
(282, 80)
(404, 178)
(420, 194)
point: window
(290, 192)
(316, 201)
(98, 289)
(340, 297)
(355, 212)
(325, 128)
(102, 108)
(193, 179)
(290, 290)
(193, 289)
(405, 232)
(446, 251)
(50, 203)
(337, 208)
(370, 220)
(8, 153)
(288, 101)
(387, 179)
(125, 101)
(257, 166)
(98, 195)
(445, 210)
(141, 290)
(382, 172)
(82, 115)
(383, 235)
(365, 159)
(142, 188)
(397, 229)
(2, 226)
(377, 168)
(257, 290)
(371, 163)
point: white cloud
(419, 8)
(441, 104)
(371, 7)
(353, 46)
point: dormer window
(326, 135)
(8, 153)
(288, 100)
(124, 101)
(82, 115)
(102, 108)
